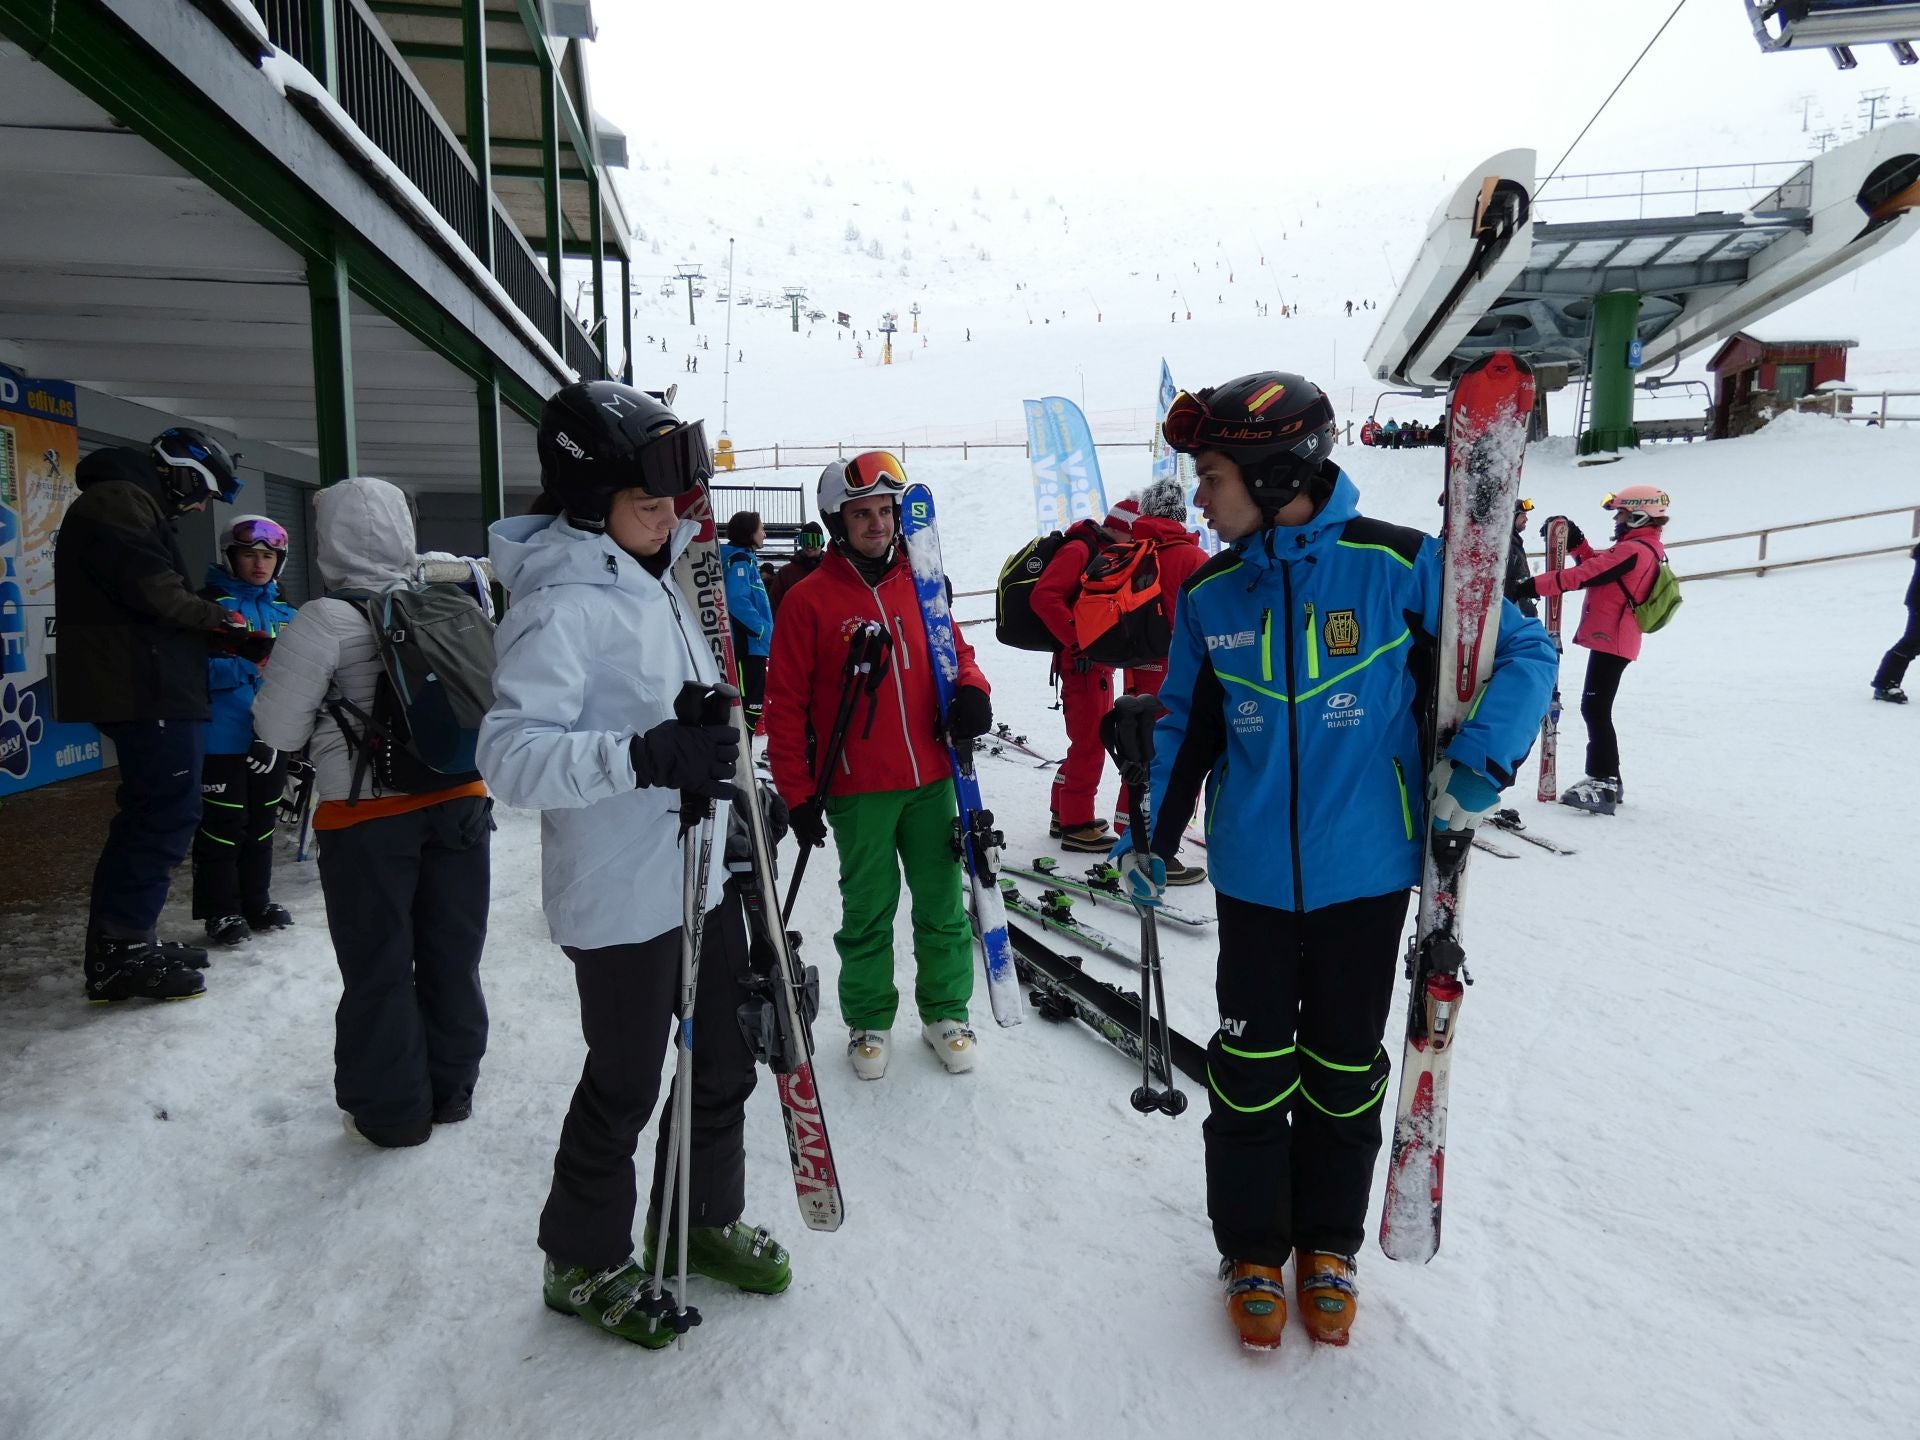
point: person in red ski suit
(1615, 580)
(1086, 689)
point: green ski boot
(616, 1300)
(743, 1256)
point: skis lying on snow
(1003, 736)
(778, 1024)
(1498, 852)
(1062, 991)
(1487, 415)
(1054, 911)
(1102, 885)
(975, 838)
(1510, 821)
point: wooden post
(1763, 555)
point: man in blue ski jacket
(1295, 700)
(749, 609)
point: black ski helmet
(194, 467)
(599, 437)
(1277, 427)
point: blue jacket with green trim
(1296, 693)
(747, 604)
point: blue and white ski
(975, 838)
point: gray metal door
(292, 505)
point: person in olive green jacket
(133, 661)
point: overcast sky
(1183, 95)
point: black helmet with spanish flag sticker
(1277, 427)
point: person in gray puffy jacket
(405, 876)
(596, 645)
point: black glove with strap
(1574, 534)
(261, 757)
(969, 716)
(779, 821)
(674, 756)
(1523, 590)
(809, 822)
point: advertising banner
(1066, 472)
(39, 448)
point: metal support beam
(597, 240)
(473, 20)
(327, 290)
(457, 54)
(550, 163)
(1616, 320)
(493, 485)
(321, 31)
(626, 318)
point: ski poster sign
(1066, 471)
(1169, 463)
(39, 447)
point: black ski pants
(233, 848)
(159, 805)
(407, 910)
(1296, 1073)
(629, 996)
(1604, 672)
(1893, 665)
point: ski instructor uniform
(1293, 695)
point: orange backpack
(1118, 616)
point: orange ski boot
(1256, 1303)
(1328, 1295)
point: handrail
(1763, 535)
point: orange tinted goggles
(875, 470)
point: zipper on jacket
(1293, 752)
(1406, 811)
(1266, 646)
(1313, 646)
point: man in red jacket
(1086, 688)
(890, 800)
(1163, 520)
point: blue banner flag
(1066, 471)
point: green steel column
(1616, 319)
(550, 162)
(596, 241)
(332, 368)
(493, 483)
(473, 19)
(626, 317)
(320, 44)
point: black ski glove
(1574, 535)
(969, 716)
(261, 757)
(686, 757)
(809, 822)
(779, 821)
(1523, 590)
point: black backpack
(435, 687)
(1014, 623)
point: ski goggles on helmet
(1191, 427)
(256, 532)
(673, 463)
(874, 473)
(1524, 506)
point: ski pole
(1127, 732)
(866, 667)
(696, 704)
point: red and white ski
(785, 1039)
(1555, 536)
(1487, 415)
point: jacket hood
(121, 462)
(1287, 541)
(1161, 529)
(366, 534)
(530, 552)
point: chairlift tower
(889, 323)
(914, 310)
(689, 273)
(795, 294)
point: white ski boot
(953, 1042)
(868, 1051)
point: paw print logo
(20, 729)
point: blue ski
(974, 836)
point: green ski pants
(879, 834)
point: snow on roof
(1774, 337)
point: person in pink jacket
(1615, 580)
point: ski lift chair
(1837, 26)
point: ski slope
(1678, 1158)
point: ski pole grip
(702, 704)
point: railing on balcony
(379, 93)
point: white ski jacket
(592, 652)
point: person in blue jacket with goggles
(1296, 689)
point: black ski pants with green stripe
(1297, 1073)
(233, 848)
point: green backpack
(1662, 600)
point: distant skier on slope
(1296, 670)
(1615, 579)
(891, 805)
(592, 655)
(1893, 665)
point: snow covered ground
(1679, 1159)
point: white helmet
(873, 473)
